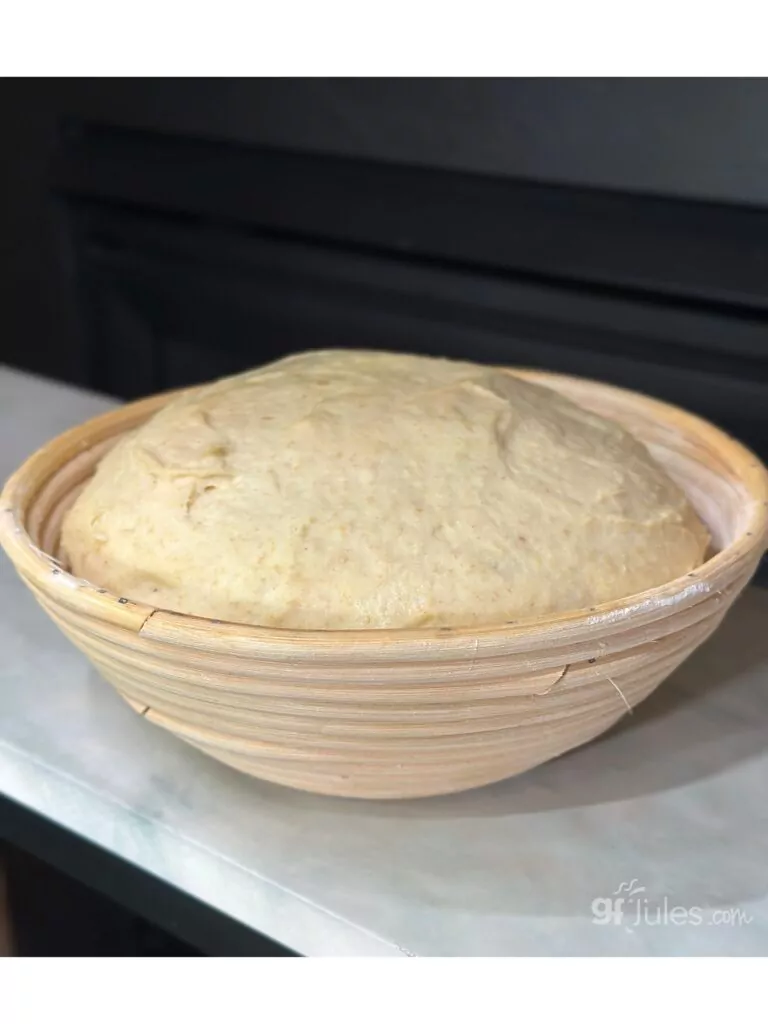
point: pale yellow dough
(342, 490)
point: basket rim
(682, 592)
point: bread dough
(344, 489)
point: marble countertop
(669, 807)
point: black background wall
(698, 138)
(627, 218)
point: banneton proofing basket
(398, 713)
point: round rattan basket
(398, 713)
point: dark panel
(37, 314)
(707, 253)
(699, 138)
(53, 915)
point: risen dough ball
(342, 490)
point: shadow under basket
(398, 713)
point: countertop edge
(294, 921)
